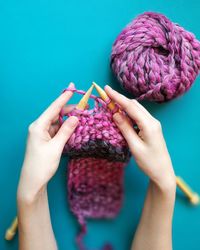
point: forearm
(45, 143)
(35, 229)
(155, 227)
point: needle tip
(195, 200)
(84, 101)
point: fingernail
(72, 121)
(107, 87)
(71, 84)
(118, 118)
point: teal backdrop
(46, 44)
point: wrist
(31, 187)
(165, 179)
(166, 187)
(29, 197)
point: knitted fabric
(97, 154)
(155, 59)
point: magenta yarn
(155, 59)
(98, 155)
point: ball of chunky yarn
(155, 59)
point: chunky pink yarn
(155, 59)
(98, 154)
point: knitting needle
(193, 197)
(84, 101)
(11, 231)
(104, 96)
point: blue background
(46, 44)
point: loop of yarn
(98, 154)
(82, 92)
(155, 59)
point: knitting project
(155, 59)
(97, 154)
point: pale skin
(44, 148)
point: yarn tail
(107, 247)
(83, 231)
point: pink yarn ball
(155, 59)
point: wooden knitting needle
(104, 96)
(11, 231)
(84, 101)
(193, 197)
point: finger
(140, 106)
(54, 109)
(127, 130)
(65, 131)
(130, 106)
(65, 110)
(56, 124)
(54, 129)
(70, 107)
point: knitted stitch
(98, 154)
(155, 59)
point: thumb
(65, 131)
(126, 129)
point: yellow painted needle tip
(11, 231)
(103, 95)
(84, 101)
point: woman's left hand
(46, 140)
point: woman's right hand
(46, 140)
(148, 147)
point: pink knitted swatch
(155, 59)
(98, 154)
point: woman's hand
(45, 144)
(150, 152)
(148, 147)
(46, 140)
